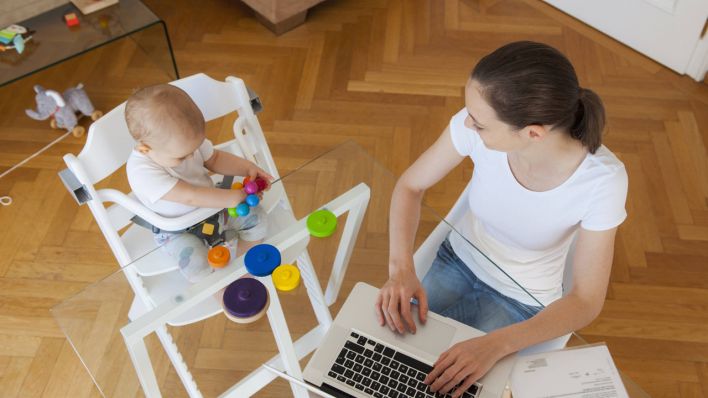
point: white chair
(154, 278)
(426, 253)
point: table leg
(169, 47)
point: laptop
(359, 358)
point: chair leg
(143, 367)
(283, 339)
(178, 362)
(314, 290)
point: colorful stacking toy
(242, 209)
(245, 300)
(252, 200)
(286, 277)
(232, 212)
(218, 256)
(262, 259)
(262, 184)
(322, 223)
(251, 188)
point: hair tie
(575, 129)
(581, 93)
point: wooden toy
(62, 108)
(71, 19)
(261, 260)
(245, 300)
(322, 223)
(286, 277)
(218, 256)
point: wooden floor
(388, 75)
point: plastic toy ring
(286, 277)
(5, 200)
(262, 259)
(322, 223)
(218, 256)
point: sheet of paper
(587, 372)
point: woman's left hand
(463, 364)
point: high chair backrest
(109, 143)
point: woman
(541, 178)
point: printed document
(587, 372)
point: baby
(169, 173)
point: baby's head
(165, 122)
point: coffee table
(54, 42)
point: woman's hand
(394, 301)
(464, 363)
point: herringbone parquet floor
(387, 74)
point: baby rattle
(251, 188)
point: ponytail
(589, 120)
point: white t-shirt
(526, 233)
(150, 181)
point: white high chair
(154, 278)
(426, 253)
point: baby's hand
(255, 172)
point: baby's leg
(251, 229)
(188, 251)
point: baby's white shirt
(150, 181)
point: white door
(668, 31)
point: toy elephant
(63, 108)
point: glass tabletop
(219, 352)
(53, 41)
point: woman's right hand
(393, 305)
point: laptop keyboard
(379, 370)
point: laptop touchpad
(434, 337)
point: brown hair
(529, 83)
(154, 113)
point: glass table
(54, 42)
(162, 329)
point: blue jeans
(454, 291)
